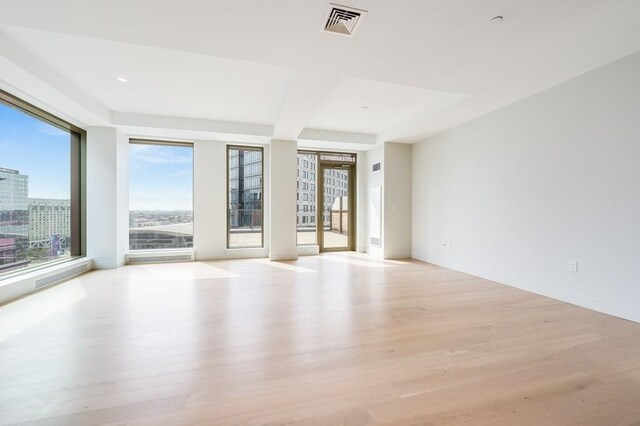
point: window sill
(38, 268)
(19, 285)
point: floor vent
(61, 276)
(159, 258)
(343, 20)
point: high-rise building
(49, 223)
(14, 219)
(336, 184)
(245, 188)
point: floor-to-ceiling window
(160, 195)
(324, 209)
(40, 188)
(307, 198)
(245, 201)
(336, 217)
(337, 175)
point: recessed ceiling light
(497, 19)
(121, 79)
(364, 107)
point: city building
(50, 224)
(14, 219)
(307, 192)
(157, 230)
(158, 237)
(245, 189)
(335, 186)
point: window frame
(156, 142)
(333, 158)
(228, 206)
(77, 181)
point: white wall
(397, 200)
(108, 215)
(107, 196)
(210, 202)
(524, 191)
(394, 177)
(108, 199)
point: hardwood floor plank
(117, 414)
(333, 339)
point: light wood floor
(327, 340)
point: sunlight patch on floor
(352, 259)
(283, 265)
(23, 314)
(187, 270)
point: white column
(362, 206)
(283, 167)
(397, 201)
(375, 220)
(209, 200)
(394, 180)
(107, 196)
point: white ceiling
(386, 104)
(421, 66)
(161, 81)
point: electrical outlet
(573, 266)
(445, 244)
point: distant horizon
(161, 210)
(160, 176)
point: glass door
(336, 230)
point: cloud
(181, 173)
(50, 130)
(157, 155)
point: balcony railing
(245, 220)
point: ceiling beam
(306, 90)
(365, 139)
(416, 126)
(193, 124)
(41, 85)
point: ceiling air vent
(343, 20)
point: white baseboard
(159, 256)
(563, 296)
(308, 250)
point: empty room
(306, 212)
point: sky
(36, 149)
(160, 176)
